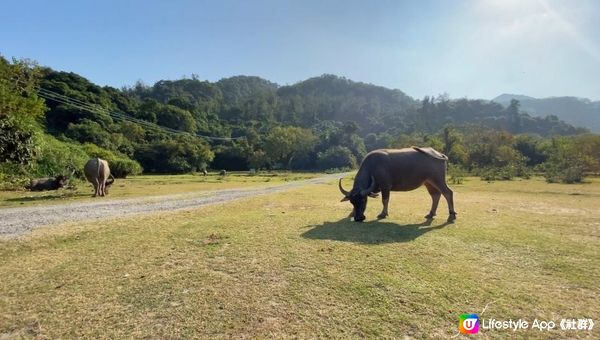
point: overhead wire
(115, 115)
(95, 108)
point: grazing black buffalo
(406, 169)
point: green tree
(514, 117)
(568, 160)
(20, 109)
(232, 156)
(178, 155)
(339, 157)
(89, 131)
(258, 160)
(175, 118)
(282, 144)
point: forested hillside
(53, 121)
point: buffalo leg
(435, 199)
(385, 199)
(448, 195)
(102, 186)
(96, 185)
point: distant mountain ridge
(505, 98)
(573, 110)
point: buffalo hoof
(451, 217)
(382, 216)
(430, 216)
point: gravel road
(15, 222)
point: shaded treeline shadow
(372, 232)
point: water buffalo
(97, 172)
(49, 183)
(406, 169)
(223, 172)
(204, 172)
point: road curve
(16, 222)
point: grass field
(138, 186)
(292, 265)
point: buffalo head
(61, 181)
(108, 183)
(358, 197)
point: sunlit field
(292, 265)
(151, 185)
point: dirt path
(15, 222)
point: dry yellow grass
(292, 265)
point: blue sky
(477, 49)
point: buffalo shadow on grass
(45, 197)
(371, 232)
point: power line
(94, 108)
(115, 115)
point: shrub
(123, 167)
(120, 165)
(12, 176)
(336, 157)
(563, 173)
(17, 145)
(456, 173)
(567, 162)
(180, 155)
(89, 132)
(57, 157)
(504, 173)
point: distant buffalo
(48, 183)
(223, 172)
(204, 172)
(97, 172)
(399, 170)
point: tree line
(326, 122)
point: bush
(336, 157)
(17, 145)
(457, 173)
(180, 155)
(89, 132)
(120, 165)
(57, 157)
(504, 173)
(12, 176)
(53, 157)
(563, 173)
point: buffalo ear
(345, 199)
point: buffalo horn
(344, 192)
